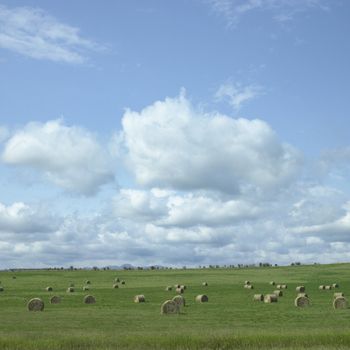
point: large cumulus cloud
(68, 156)
(171, 144)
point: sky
(174, 132)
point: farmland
(231, 319)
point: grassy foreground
(230, 320)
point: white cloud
(333, 231)
(236, 94)
(170, 209)
(141, 205)
(171, 145)
(70, 157)
(20, 218)
(34, 33)
(281, 10)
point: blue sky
(213, 128)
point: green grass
(230, 320)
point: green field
(229, 320)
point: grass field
(230, 320)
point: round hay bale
(279, 286)
(177, 286)
(168, 288)
(300, 289)
(205, 284)
(183, 287)
(302, 295)
(179, 300)
(272, 283)
(115, 285)
(35, 304)
(1, 289)
(258, 297)
(85, 288)
(89, 299)
(278, 292)
(179, 290)
(70, 290)
(340, 303)
(339, 294)
(322, 287)
(248, 286)
(270, 298)
(87, 282)
(202, 298)
(284, 286)
(139, 298)
(301, 301)
(328, 287)
(246, 282)
(116, 280)
(169, 307)
(49, 289)
(122, 282)
(55, 299)
(335, 285)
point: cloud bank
(209, 189)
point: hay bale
(246, 282)
(179, 290)
(177, 286)
(284, 286)
(340, 303)
(89, 299)
(258, 297)
(328, 287)
(248, 286)
(139, 298)
(270, 298)
(169, 307)
(122, 282)
(85, 288)
(183, 287)
(70, 290)
(168, 288)
(302, 295)
(115, 285)
(35, 304)
(201, 298)
(339, 294)
(322, 287)
(87, 282)
(55, 299)
(1, 289)
(279, 286)
(300, 289)
(278, 292)
(49, 289)
(205, 284)
(301, 301)
(116, 280)
(335, 285)
(179, 300)
(272, 283)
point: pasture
(229, 320)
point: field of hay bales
(230, 318)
